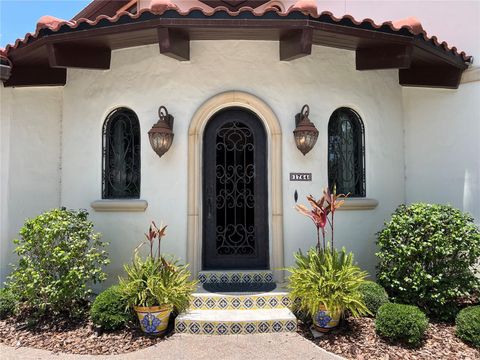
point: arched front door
(235, 192)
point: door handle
(209, 207)
(210, 203)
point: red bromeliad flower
(319, 215)
(333, 202)
(320, 210)
(151, 236)
(153, 233)
(161, 232)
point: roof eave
(367, 33)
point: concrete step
(275, 299)
(228, 322)
(236, 276)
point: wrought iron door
(235, 226)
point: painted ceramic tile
(225, 328)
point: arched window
(346, 153)
(121, 155)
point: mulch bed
(357, 340)
(74, 337)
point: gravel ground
(61, 339)
(74, 338)
(358, 340)
(355, 340)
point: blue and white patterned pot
(153, 319)
(324, 320)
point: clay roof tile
(307, 7)
(411, 22)
(51, 22)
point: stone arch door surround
(274, 149)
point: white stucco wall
(30, 160)
(5, 119)
(442, 146)
(439, 154)
(142, 80)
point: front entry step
(228, 322)
(276, 299)
(224, 311)
(236, 276)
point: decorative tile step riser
(235, 277)
(232, 328)
(242, 302)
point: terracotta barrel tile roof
(306, 7)
(51, 22)
(411, 22)
(409, 33)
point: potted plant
(325, 282)
(155, 286)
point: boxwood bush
(60, 256)
(403, 323)
(468, 325)
(109, 310)
(427, 257)
(373, 295)
(7, 303)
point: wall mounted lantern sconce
(305, 133)
(161, 134)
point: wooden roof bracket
(387, 57)
(36, 76)
(295, 44)
(78, 56)
(174, 43)
(446, 77)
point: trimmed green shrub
(427, 256)
(402, 323)
(60, 256)
(373, 295)
(468, 325)
(109, 310)
(7, 303)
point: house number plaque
(300, 176)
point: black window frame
(132, 151)
(337, 152)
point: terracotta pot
(324, 320)
(153, 319)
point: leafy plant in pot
(155, 286)
(325, 285)
(325, 282)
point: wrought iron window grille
(346, 153)
(121, 155)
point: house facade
(79, 98)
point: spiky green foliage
(468, 325)
(402, 323)
(327, 278)
(156, 282)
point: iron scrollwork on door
(235, 199)
(235, 192)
